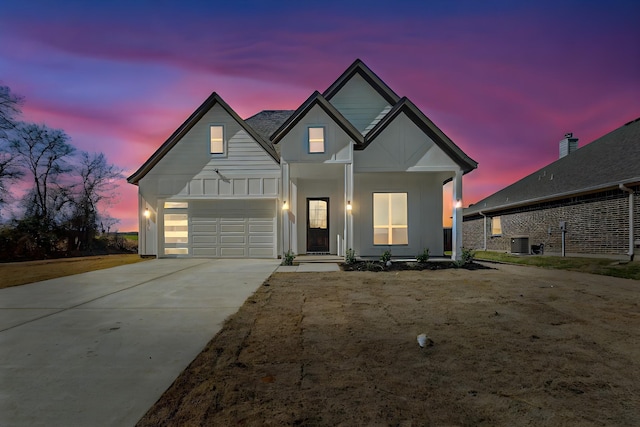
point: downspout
(631, 201)
(485, 230)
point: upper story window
(496, 226)
(216, 133)
(316, 140)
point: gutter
(586, 190)
(485, 229)
(631, 199)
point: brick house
(585, 203)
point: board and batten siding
(189, 169)
(403, 146)
(361, 104)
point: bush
(466, 257)
(386, 256)
(424, 256)
(350, 257)
(288, 257)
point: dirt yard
(512, 346)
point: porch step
(303, 259)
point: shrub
(288, 257)
(466, 257)
(350, 257)
(424, 256)
(386, 256)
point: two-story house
(356, 166)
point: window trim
(224, 140)
(324, 139)
(390, 226)
(176, 248)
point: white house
(354, 167)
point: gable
(360, 103)
(403, 146)
(294, 145)
(222, 114)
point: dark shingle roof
(603, 164)
(266, 122)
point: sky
(504, 79)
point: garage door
(233, 228)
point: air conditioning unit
(520, 245)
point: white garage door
(233, 228)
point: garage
(220, 228)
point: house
(356, 166)
(584, 203)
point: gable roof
(466, 163)
(603, 164)
(359, 67)
(185, 127)
(317, 99)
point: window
(496, 226)
(390, 219)
(216, 133)
(318, 214)
(316, 140)
(176, 228)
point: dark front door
(318, 225)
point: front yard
(512, 346)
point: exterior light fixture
(349, 207)
(458, 203)
(147, 213)
(285, 206)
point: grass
(606, 267)
(20, 273)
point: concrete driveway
(98, 349)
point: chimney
(568, 145)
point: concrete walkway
(98, 349)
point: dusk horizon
(504, 80)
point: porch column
(284, 208)
(348, 222)
(456, 246)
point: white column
(456, 244)
(286, 224)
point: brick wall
(596, 225)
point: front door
(318, 225)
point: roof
(317, 99)
(603, 164)
(359, 67)
(209, 103)
(266, 122)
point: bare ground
(513, 346)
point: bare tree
(44, 153)
(9, 170)
(9, 109)
(99, 181)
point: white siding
(295, 145)
(359, 103)
(402, 146)
(189, 169)
(424, 199)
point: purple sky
(504, 79)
